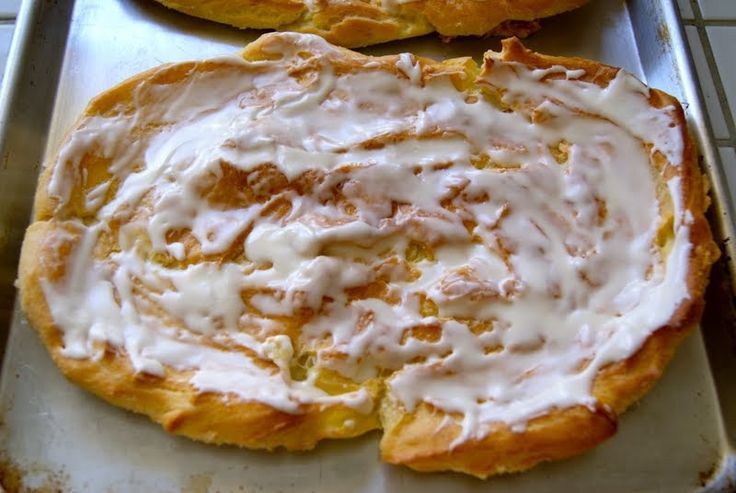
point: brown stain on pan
(198, 483)
(706, 476)
(12, 478)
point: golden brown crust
(356, 23)
(421, 439)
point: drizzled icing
(485, 261)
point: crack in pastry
(303, 242)
(354, 23)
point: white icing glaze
(409, 67)
(563, 285)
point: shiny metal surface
(679, 438)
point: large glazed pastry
(355, 23)
(302, 242)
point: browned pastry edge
(356, 23)
(414, 439)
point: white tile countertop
(710, 27)
(8, 13)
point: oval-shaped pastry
(354, 23)
(302, 242)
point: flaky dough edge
(355, 23)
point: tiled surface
(710, 26)
(717, 9)
(712, 101)
(728, 159)
(686, 10)
(6, 35)
(9, 8)
(8, 13)
(723, 42)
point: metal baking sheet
(57, 437)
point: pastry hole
(496, 348)
(427, 333)
(507, 166)
(378, 289)
(427, 307)
(481, 162)
(539, 116)
(300, 366)
(560, 151)
(350, 209)
(416, 252)
(470, 225)
(449, 352)
(442, 166)
(478, 327)
(494, 95)
(602, 210)
(484, 161)
(365, 321)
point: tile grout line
(720, 22)
(715, 74)
(724, 143)
(713, 22)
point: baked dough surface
(354, 23)
(105, 266)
